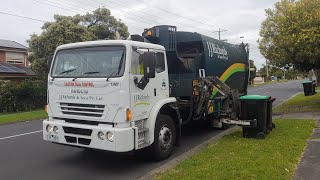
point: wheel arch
(168, 107)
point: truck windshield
(101, 62)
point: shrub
(24, 96)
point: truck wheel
(164, 137)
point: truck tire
(164, 138)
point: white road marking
(24, 134)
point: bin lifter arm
(231, 96)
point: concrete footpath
(309, 164)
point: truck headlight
(55, 129)
(49, 128)
(110, 136)
(101, 135)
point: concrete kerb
(173, 162)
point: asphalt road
(24, 155)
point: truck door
(158, 88)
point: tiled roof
(6, 68)
(11, 44)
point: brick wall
(2, 56)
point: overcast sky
(241, 18)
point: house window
(15, 58)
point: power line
(24, 17)
(161, 18)
(126, 12)
(78, 7)
(144, 17)
(33, 19)
(131, 25)
(52, 5)
(179, 15)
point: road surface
(24, 155)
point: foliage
(254, 72)
(290, 73)
(69, 29)
(291, 34)
(235, 157)
(24, 96)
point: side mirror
(149, 64)
(49, 62)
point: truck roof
(111, 42)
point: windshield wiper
(119, 68)
(90, 72)
(63, 72)
(111, 75)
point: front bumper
(87, 136)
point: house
(14, 61)
(258, 79)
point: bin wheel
(225, 126)
(273, 125)
(244, 133)
(268, 131)
(261, 135)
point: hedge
(23, 96)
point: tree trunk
(317, 73)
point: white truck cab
(111, 95)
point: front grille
(78, 121)
(78, 131)
(70, 139)
(75, 140)
(84, 141)
(87, 110)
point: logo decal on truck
(81, 97)
(79, 84)
(79, 91)
(213, 49)
(163, 85)
(141, 100)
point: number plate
(53, 138)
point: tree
(69, 29)
(291, 34)
(253, 70)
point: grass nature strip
(234, 157)
(22, 116)
(300, 103)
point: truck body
(125, 95)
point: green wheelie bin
(255, 107)
(308, 88)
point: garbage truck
(135, 95)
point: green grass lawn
(22, 116)
(234, 157)
(300, 103)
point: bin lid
(254, 97)
(305, 82)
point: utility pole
(220, 31)
(267, 69)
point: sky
(241, 18)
